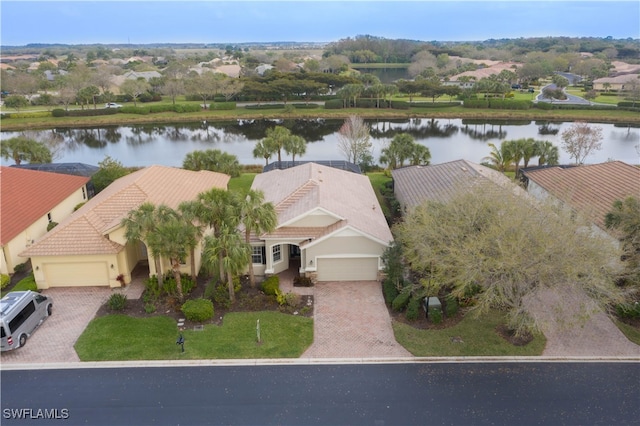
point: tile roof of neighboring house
(414, 185)
(84, 231)
(590, 189)
(78, 169)
(488, 71)
(348, 196)
(620, 79)
(28, 195)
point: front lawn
(470, 337)
(123, 338)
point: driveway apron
(351, 320)
(53, 341)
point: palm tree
(276, 139)
(258, 217)
(217, 208)
(547, 153)
(295, 145)
(139, 225)
(500, 158)
(263, 150)
(230, 251)
(529, 150)
(420, 156)
(170, 239)
(188, 210)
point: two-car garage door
(76, 274)
(348, 269)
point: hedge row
(434, 104)
(497, 104)
(366, 103)
(549, 106)
(35, 114)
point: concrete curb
(311, 361)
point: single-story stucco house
(618, 83)
(31, 200)
(414, 185)
(330, 225)
(90, 248)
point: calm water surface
(447, 139)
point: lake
(447, 139)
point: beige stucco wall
(349, 246)
(314, 219)
(37, 229)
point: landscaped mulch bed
(248, 299)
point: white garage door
(356, 269)
(76, 274)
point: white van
(21, 312)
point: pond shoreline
(595, 116)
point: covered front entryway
(76, 274)
(347, 269)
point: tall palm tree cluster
(510, 153)
(277, 139)
(219, 216)
(404, 148)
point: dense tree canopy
(505, 250)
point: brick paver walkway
(352, 321)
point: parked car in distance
(112, 105)
(21, 312)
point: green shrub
(117, 302)
(271, 286)
(509, 104)
(389, 291)
(265, 106)
(451, 306)
(79, 205)
(152, 289)
(219, 291)
(170, 287)
(20, 267)
(306, 106)
(184, 108)
(400, 105)
(5, 280)
(143, 110)
(413, 308)
(435, 316)
(91, 112)
(435, 104)
(51, 225)
(628, 310)
(401, 301)
(149, 308)
(334, 104)
(58, 112)
(476, 103)
(543, 106)
(224, 106)
(198, 310)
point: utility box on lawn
(430, 304)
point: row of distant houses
(330, 224)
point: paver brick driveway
(352, 321)
(53, 341)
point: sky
(139, 22)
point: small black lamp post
(180, 341)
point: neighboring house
(588, 190)
(330, 225)
(30, 201)
(90, 249)
(147, 75)
(77, 169)
(414, 185)
(618, 83)
(338, 164)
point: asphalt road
(380, 394)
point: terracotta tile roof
(439, 182)
(28, 195)
(348, 196)
(84, 231)
(592, 189)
